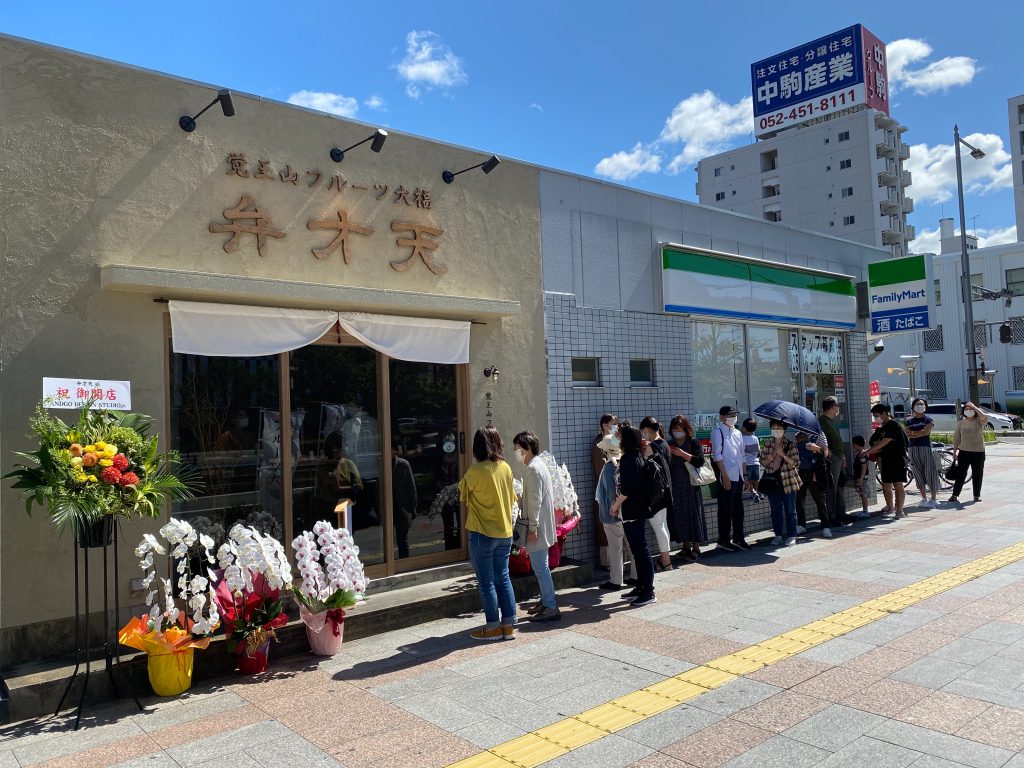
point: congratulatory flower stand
(88, 476)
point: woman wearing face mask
(539, 507)
(687, 502)
(781, 457)
(607, 490)
(922, 461)
(657, 447)
(969, 450)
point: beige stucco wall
(94, 171)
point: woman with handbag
(969, 450)
(780, 483)
(689, 472)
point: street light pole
(965, 276)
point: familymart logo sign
(899, 294)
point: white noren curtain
(232, 330)
(416, 339)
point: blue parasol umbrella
(792, 415)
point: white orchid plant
(253, 570)
(332, 574)
(167, 627)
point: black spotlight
(378, 138)
(486, 166)
(188, 124)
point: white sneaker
(887, 512)
(776, 541)
(790, 541)
(862, 515)
(800, 530)
(826, 532)
(932, 504)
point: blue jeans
(783, 513)
(542, 570)
(490, 561)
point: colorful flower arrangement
(106, 464)
(254, 570)
(168, 630)
(332, 580)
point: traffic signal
(1005, 333)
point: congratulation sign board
(900, 295)
(76, 393)
(827, 75)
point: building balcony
(891, 237)
(908, 205)
(904, 152)
(906, 179)
(888, 178)
(909, 233)
(883, 149)
(883, 121)
(889, 207)
(901, 129)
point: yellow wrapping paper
(171, 654)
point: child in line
(861, 467)
(751, 460)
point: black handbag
(952, 472)
(770, 484)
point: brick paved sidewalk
(937, 684)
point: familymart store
(310, 330)
(761, 331)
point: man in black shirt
(889, 444)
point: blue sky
(625, 91)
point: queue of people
(643, 478)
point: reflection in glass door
(334, 404)
(424, 423)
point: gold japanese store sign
(247, 217)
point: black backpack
(655, 484)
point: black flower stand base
(100, 534)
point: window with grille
(1017, 330)
(981, 335)
(935, 381)
(985, 390)
(1018, 377)
(933, 340)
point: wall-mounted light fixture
(492, 373)
(188, 124)
(379, 137)
(486, 166)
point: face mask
(614, 440)
(969, 413)
(778, 433)
(680, 436)
(731, 420)
(919, 408)
(521, 456)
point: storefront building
(310, 334)
(659, 307)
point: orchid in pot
(332, 580)
(254, 571)
(168, 634)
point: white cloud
(928, 240)
(936, 76)
(377, 103)
(334, 103)
(705, 124)
(702, 124)
(626, 165)
(536, 106)
(934, 168)
(429, 63)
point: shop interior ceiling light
(486, 166)
(379, 137)
(188, 124)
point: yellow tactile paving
(562, 737)
(529, 750)
(644, 702)
(677, 690)
(571, 733)
(610, 718)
